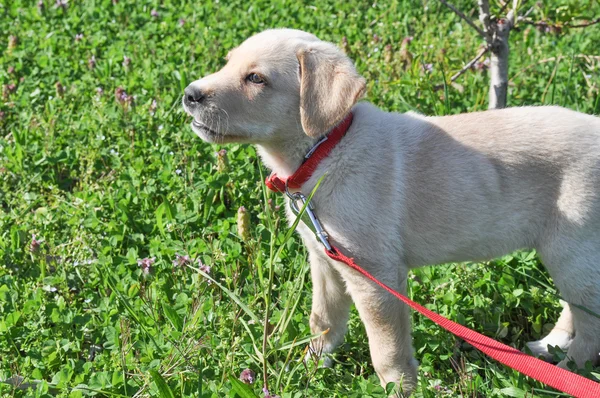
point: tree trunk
(496, 35)
(499, 63)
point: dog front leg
(330, 307)
(387, 322)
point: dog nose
(194, 94)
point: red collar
(314, 157)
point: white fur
(405, 190)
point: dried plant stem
(267, 308)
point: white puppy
(404, 190)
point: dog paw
(559, 338)
(539, 349)
(327, 361)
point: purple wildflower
(181, 21)
(126, 61)
(119, 91)
(62, 4)
(268, 394)
(146, 264)
(122, 97)
(180, 260)
(35, 244)
(204, 268)
(78, 37)
(154, 13)
(428, 68)
(7, 89)
(99, 91)
(248, 376)
(92, 62)
(11, 88)
(10, 70)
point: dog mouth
(211, 135)
(198, 126)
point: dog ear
(329, 87)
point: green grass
(104, 183)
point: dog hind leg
(561, 335)
(586, 344)
(573, 260)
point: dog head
(277, 83)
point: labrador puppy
(405, 190)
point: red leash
(545, 372)
(537, 369)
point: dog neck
(284, 156)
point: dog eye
(255, 78)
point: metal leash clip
(297, 201)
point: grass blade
(164, 390)
(241, 389)
(173, 317)
(229, 293)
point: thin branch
(464, 17)
(557, 26)
(468, 66)
(585, 24)
(484, 8)
(504, 5)
(539, 24)
(528, 12)
(485, 19)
